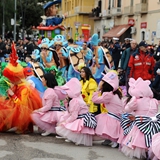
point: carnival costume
(88, 88)
(78, 125)
(34, 81)
(16, 111)
(63, 58)
(142, 106)
(58, 75)
(50, 12)
(154, 153)
(76, 58)
(99, 58)
(108, 124)
(49, 115)
(88, 55)
(4, 82)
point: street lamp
(15, 10)
(3, 24)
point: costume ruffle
(47, 121)
(17, 113)
(107, 127)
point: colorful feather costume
(16, 111)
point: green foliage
(25, 8)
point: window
(143, 1)
(113, 3)
(72, 4)
(119, 3)
(143, 35)
(76, 3)
(132, 1)
(109, 5)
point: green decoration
(58, 76)
(4, 86)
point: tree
(28, 13)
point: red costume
(16, 111)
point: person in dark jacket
(124, 62)
(116, 52)
(126, 55)
(29, 48)
(2, 48)
(126, 44)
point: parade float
(51, 23)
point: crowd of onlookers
(131, 59)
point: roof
(116, 31)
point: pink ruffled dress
(108, 125)
(46, 117)
(154, 152)
(73, 127)
(141, 104)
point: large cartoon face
(140, 88)
(53, 10)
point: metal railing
(141, 8)
(116, 11)
(129, 10)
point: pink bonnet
(112, 78)
(72, 87)
(60, 93)
(140, 88)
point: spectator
(2, 48)
(126, 44)
(28, 46)
(141, 63)
(116, 52)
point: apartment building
(137, 19)
(78, 17)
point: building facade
(137, 19)
(77, 16)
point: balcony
(83, 9)
(116, 11)
(141, 8)
(128, 10)
(106, 13)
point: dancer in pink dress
(141, 104)
(108, 124)
(78, 125)
(47, 117)
(154, 152)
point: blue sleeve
(65, 53)
(89, 55)
(57, 21)
(50, 56)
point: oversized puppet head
(14, 71)
(140, 88)
(50, 8)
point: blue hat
(94, 40)
(49, 4)
(143, 44)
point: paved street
(36, 147)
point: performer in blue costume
(35, 82)
(88, 54)
(99, 58)
(51, 12)
(74, 59)
(63, 58)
